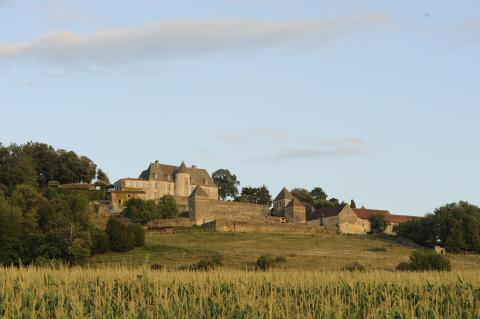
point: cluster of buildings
(196, 193)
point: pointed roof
(199, 192)
(295, 203)
(327, 211)
(284, 194)
(182, 168)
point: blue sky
(372, 100)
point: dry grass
(121, 292)
(240, 251)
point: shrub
(100, 242)
(138, 233)
(265, 262)
(121, 237)
(354, 266)
(157, 267)
(167, 206)
(209, 263)
(378, 224)
(425, 260)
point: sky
(378, 101)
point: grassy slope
(240, 250)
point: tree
(138, 234)
(256, 195)
(318, 194)
(10, 234)
(141, 211)
(226, 182)
(102, 177)
(167, 206)
(352, 204)
(303, 195)
(378, 224)
(100, 242)
(121, 237)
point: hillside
(240, 250)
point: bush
(378, 224)
(100, 242)
(354, 266)
(267, 262)
(425, 260)
(209, 263)
(138, 233)
(121, 237)
(167, 206)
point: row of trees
(455, 226)
(228, 189)
(38, 163)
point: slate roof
(295, 203)
(166, 173)
(284, 194)
(327, 212)
(199, 192)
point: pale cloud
(325, 148)
(160, 41)
(275, 135)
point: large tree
(257, 195)
(303, 195)
(227, 183)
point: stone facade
(262, 227)
(346, 220)
(295, 212)
(160, 179)
(203, 209)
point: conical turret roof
(182, 168)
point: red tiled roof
(363, 213)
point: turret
(182, 181)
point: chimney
(194, 166)
(156, 162)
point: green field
(240, 251)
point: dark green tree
(352, 204)
(167, 206)
(318, 194)
(226, 182)
(138, 234)
(10, 234)
(121, 237)
(303, 195)
(102, 177)
(100, 242)
(256, 195)
(141, 211)
(378, 224)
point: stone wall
(257, 227)
(204, 210)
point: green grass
(240, 250)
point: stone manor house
(197, 194)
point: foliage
(353, 204)
(39, 163)
(226, 182)
(267, 262)
(167, 206)
(10, 234)
(426, 260)
(142, 211)
(378, 224)
(138, 234)
(121, 236)
(354, 266)
(209, 263)
(455, 226)
(303, 195)
(102, 177)
(256, 195)
(100, 242)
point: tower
(182, 181)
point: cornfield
(110, 292)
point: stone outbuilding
(295, 212)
